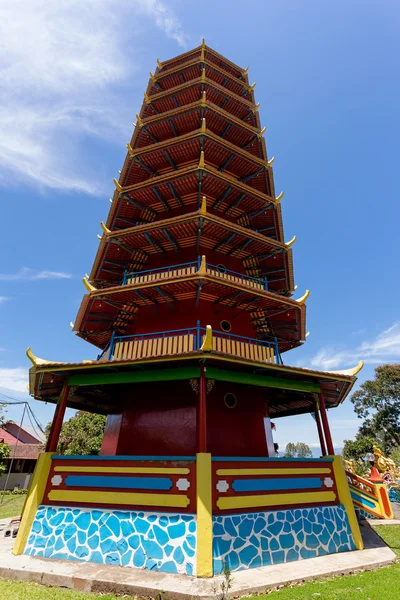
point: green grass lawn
(382, 584)
(19, 590)
(12, 506)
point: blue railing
(194, 264)
(198, 333)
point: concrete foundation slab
(91, 577)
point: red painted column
(58, 420)
(320, 432)
(325, 425)
(202, 412)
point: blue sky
(73, 76)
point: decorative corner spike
(203, 98)
(251, 88)
(139, 121)
(203, 43)
(153, 79)
(263, 130)
(203, 75)
(207, 344)
(246, 70)
(203, 266)
(271, 160)
(105, 229)
(279, 198)
(203, 125)
(295, 287)
(257, 106)
(130, 150)
(352, 372)
(36, 361)
(147, 99)
(159, 63)
(303, 298)
(203, 208)
(291, 242)
(89, 286)
(202, 164)
(202, 54)
(71, 324)
(307, 334)
(100, 237)
(118, 186)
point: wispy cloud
(14, 379)
(59, 66)
(385, 347)
(26, 274)
(3, 299)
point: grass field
(12, 506)
(382, 584)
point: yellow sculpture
(386, 466)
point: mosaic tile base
(145, 540)
(365, 515)
(252, 540)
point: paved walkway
(91, 577)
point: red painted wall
(159, 419)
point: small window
(221, 268)
(225, 326)
(230, 400)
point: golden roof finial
(279, 198)
(203, 125)
(303, 298)
(307, 334)
(118, 186)
(352, 372)
(203, 98)
(36, 361)
(207, 345)
(271, 160)
(130, 149)
(245, 71)
(201, 161)
(71, 324)
(203, 75)
(147, 99)
(153, 79)
(203, 208)
(263, 130)
(203, 266)
(139, 121)
(256, 107)
(159, 63)
(291, 242)
(105, 229)
(251, 88)
(88, 286)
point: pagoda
(190, 305)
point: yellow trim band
(346, 499)
(33, 500)
(204, 516)
(233, 502)
(88, 497)
(293, 471)
(149, 470)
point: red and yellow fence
(371, 497)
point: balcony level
(184, 341)
(190, 268)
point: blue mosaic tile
(258, 539)
(153, 541)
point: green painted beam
(262, 380)
(135, 376)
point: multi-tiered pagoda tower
(190, 305)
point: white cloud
(26, 274)
(59, 65)
(3, 299)
(384, 348)
(14, 379)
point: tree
(81, 434)
(356, 450)
(297, 450)
(5, 452)
(378, 403)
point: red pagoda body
(190, 305)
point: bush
(15, 492)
